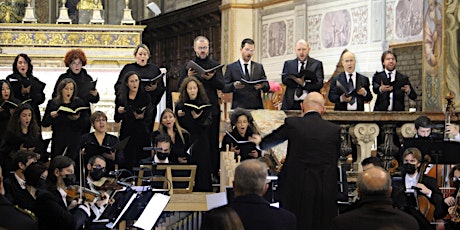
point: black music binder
(441, 152)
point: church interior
(108, 31)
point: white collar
(21, 182)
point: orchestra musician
(404, 189)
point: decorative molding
(45, 35)
(251, 6)
(405, 44)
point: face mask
(456, 184)
(409, 168)
(162, 156)
(69, 180)
(96, 174)
(41, 183)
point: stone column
(364, 135)
(238, 23)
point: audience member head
(22, 159)
(314, 101)
(389, 60)
(142, 54)
(247, 49)
(201, 47)
(302, 49)
(412, 158)
(75, 59)
(96, 167)
(7, 93)
(241, 119)
(36, 174)
(371, 162)
(164, 142)
(66, 91)
(349, 62)
(250, 178)
(22, 65)
(423, 126)
(60, 173)
(192, 89)
(222, 218)
(23, 119)
(374, 182)
(98, 120)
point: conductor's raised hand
(255, 138)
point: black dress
(84, 85)
(109, 141)
(148, 71)
(245, 148)
(201, 154)
(137, 129)
(65, 130)
(13, 142)
(36, 96)
(178, 148)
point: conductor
(308, 180)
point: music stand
(444, 152)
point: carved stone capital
(364, 135)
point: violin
(75, 192)
(109, 184)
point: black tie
(389, 76)
(299, 91)
(350, 88)
(246, 71)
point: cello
(423, 203)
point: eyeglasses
(203, 48)
(454, 179)
(99, 167)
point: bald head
(374, 181)
(313, 101)
(302, 49)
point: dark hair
(96, 115)
(33, 173)
(93, 159)
(385, 53)
(422, 121)
(9, 86)
(58, 162)
(61, 85)
(452, 171)
(22, 156)
(14, 125)
(222, 218)
(162, 138)
(75, 54)
(201, 97)
(248, 41)
(242, 112)
(124, 89)
(30, 67)
(372, 160)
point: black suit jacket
(382, 102)
(308, 180)
(291, 67)
(54, 214)
(335, 93)
(375, 213)
(16, 195)
(248, 97)
(400, 201)
(13, 218)
(256, 213)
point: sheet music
(152, 211)
(216, 200)
(112, 224)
